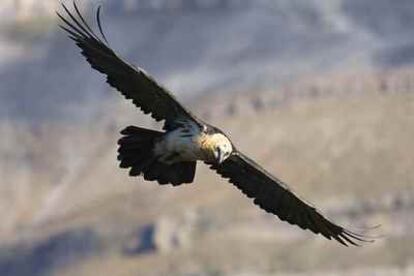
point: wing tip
(76, 23)
(347, 237)
(98, 19)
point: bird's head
(220, 147)
(222, 151)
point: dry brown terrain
(342, 141)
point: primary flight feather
(170, 156)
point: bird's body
(170, 156)
(181, 144)
(189, 142)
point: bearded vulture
(170, 156)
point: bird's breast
(182, 144)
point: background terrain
(320, 92)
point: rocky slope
(196, 47)
(322, 79)
(75, 212)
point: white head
(220, 147)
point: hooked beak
(219, 155)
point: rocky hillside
(195, 47)
(319, 92)
(76, 213)
(26, 10)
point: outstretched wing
(133, 83)
(274, 196)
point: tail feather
(175, 174)
(136, 152)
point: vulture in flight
(170, 156)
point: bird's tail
(136, 151)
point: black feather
(134, 83)
(272, 195)
(136, 153)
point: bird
(170, 155)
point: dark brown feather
(136, 153)
(133, 83)
(274, 196)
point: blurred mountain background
(320, 92)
